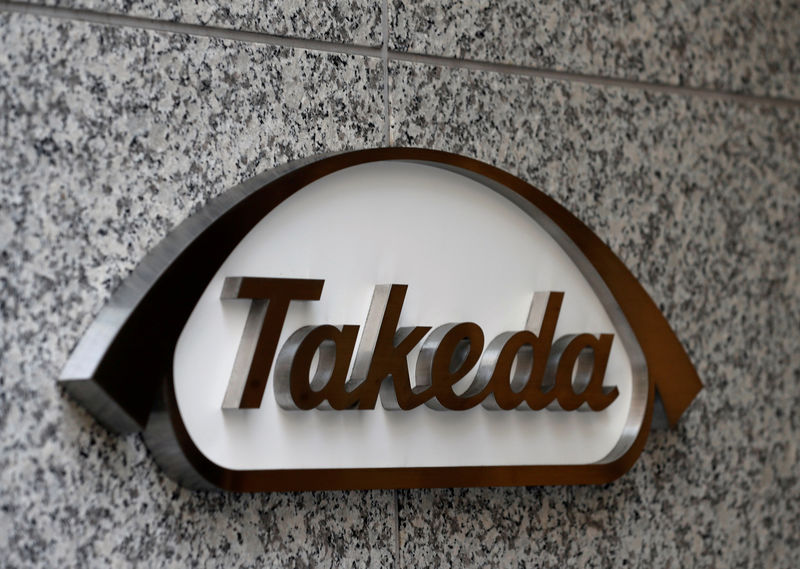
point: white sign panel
(399, 321)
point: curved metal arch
(121, 369)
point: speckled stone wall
(671, 128)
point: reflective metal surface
(523, 386)
(447, 355)
(253, 363)
(300, 386)
(121, 369)
(116, 368)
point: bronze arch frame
(122, 368)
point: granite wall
(671, 127)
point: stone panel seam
(598, 80)
(396, 519)
(120, 20)
(385, 57)
(388, 55)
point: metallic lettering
(271, 298)
(523, 369)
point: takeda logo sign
(519, 370)
(383, 318)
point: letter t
(271, 298)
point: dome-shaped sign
(383, 318)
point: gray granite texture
(701, 200)
(740, 45)
(108, 138)
(350, 21)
